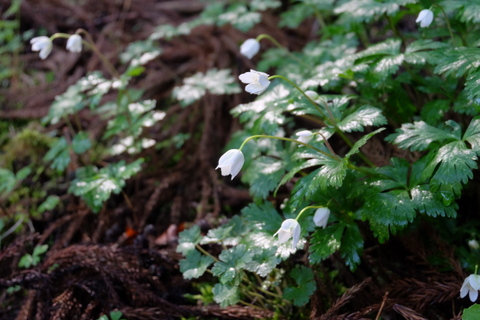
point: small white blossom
(473, 244)
(305, 136)
(257, 82)
(250, 48)
(312, 94)
(289, 228)
(74, 43)
(321, 217)
(471, 285)
(425, 17)
(42, 44)
(231, 162)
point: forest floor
(124, 257)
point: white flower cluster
(44, 45)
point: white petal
(473, 295)
(74, 43)
(247, 77)
(237, 164)
(464, 291)
(283, 236)
(321, 217)
(475, 281)
(296, 235)
(250, 48)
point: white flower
(250, 48)
(425, 17)
(74, 43)
(312, 94)
(231, 162)
(289, 228)
(305, 136)
(257, 82)
(321, 217)
(471, 285)
(42, 44)
(473, 244)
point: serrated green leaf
(38, 250)
(264, 214)
(232, 261)
(362, 117)
(387, 212)
(466, 10)
(194, 265)
(263, 175)
(187, 239)
(390, 47)
(352, 244)
(217, 234)
(433, 111)
(418, 136)
(58, 154)
(225, 294)
(431, 204)
(261, 5)
(325, 242)
(7, 180)
(415, 53)
(81, 142)
(238, 16)
(331, 174)
(95, 187)
(214, 81)
(472, 135)
(357, 145)
(264, 260)
(367, 10)
(455, 164)
(457, 61)
(300, 294)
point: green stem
(275, 42)
(302, 92)
(286, 139)
(447, 21)
(305, 209)
(205, 252)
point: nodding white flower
(42, 44)
(250, 48)
(321, 217)
(312, 94)
(231, 162)
(74, 43)
(289, 228)
(305, 136)
(425, 17)
(471, 285)
(473, 244)
(257, 82)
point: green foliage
(29, 260)
(96, 185)
(471, 313)
(114, 315)
(305, 286)
(214, 81)
(195, 264)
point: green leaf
(81, 143)
(232, 261)
(472, 135)
(415, 53)
(225, 294)
(457, 61)
(49, 204)
(356, 147)
(367, 10)
(455, 164)
(433, 111)
(261, 5)
(418, 136)
(362, 117)
(471, 313)
(7, 180)
(264, 261)
(95, 186)
(194, 265)
(396, 212)
(115, 315)
(325, 242)
(300, 294)
(215, 81)
(39, 250)
(264, 215)
(352, 244)
(467, 10)
(431, 204)
(263, 175)
(238, 16)
(187, 239)
(58, 154)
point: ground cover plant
(258, 159)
